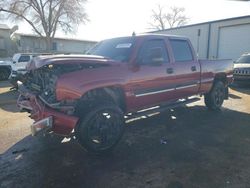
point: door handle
(193, 68)
(170, 70)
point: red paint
(130, 77)
(62, 124)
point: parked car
(242, 69)
(90, 94)
(19, 63)
(5, 69)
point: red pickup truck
(89, 95)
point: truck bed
(211, 68)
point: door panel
(150, 90)
(187, 78)
(153, 82)
(186, 67)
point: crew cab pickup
(89, 96)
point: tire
(101, 129)
(215, 98)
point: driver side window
(153, 52)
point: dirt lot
(188, 147)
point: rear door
(153, 82)
(186, 68)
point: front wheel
(101, 129)
(215, 98)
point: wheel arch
(221, 77)
(114, 94)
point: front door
(153, 82)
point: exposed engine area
(42, 81)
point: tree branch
(22, 16)
(46, 16)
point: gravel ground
(187, 147)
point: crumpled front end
(44, 116)
(39, 95)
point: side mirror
(156, 56)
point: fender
(72, 92)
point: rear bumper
(46, 117)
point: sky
(113, 18)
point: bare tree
(176, 17)
(46, 16)
(161, 20)
(158, 19)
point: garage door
(233, 41)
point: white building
(6, 46)
(223, 39)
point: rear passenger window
(181, 50)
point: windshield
(118, 49)
(244, 59)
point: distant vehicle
(242, 69)
(121, 76)
(5, 69)
(19, 63)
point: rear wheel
(101, 129)
(215, 98)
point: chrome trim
(188, 86)
(229, 76)
(207, 80)
(41, 124)
(166, 90)
(155, 92)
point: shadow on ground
(186, 147)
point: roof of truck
(164, 35)
(150, 35)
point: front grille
(242, 71)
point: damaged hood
(41, 61)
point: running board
(162, 108)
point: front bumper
(44, 116)
(45, 123)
